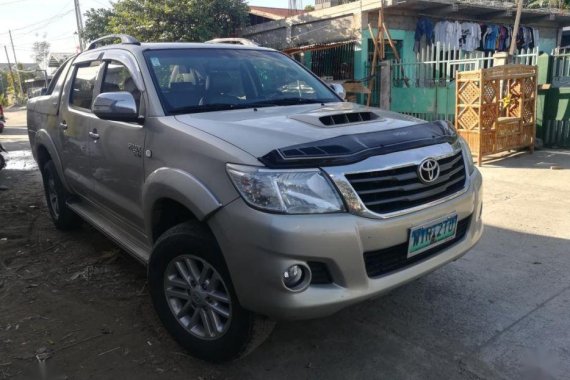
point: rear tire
(194, 297)
(56, 196)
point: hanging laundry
(448, 34)
(491, 37)
(424, 27)
(470, 36)
(502, 38)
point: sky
(54, 21)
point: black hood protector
(349, 149)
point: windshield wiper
(287, 102)
(261, 103)
(217, 107)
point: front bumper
(259, 246)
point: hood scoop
(348, 118)
(340, 119)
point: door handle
(63, 125)
(94, 135)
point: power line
(43, 21)
(13, 2)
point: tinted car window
(202, 80)
(83, 85)
(55, 79)
(118, 78)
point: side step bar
(138, 249)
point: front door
(75, 122)
(117, 152)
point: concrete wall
(287, 33)
(273, 38)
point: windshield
(202, 80)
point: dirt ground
(73, 306)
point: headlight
(467, 155)
(286, 191)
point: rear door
(76, 121)
(43, 111)
(117, 153)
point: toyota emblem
(428, 170)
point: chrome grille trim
(393, 161)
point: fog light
(296, 277)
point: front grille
(393, 190)
(394, 258)
(319, 273)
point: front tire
(56, 196)
(193, 295)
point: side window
(83, 85)
(118, 78)
(280, 80)
(55, 79)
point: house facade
(345, 30)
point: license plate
(431, 234)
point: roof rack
(233, 41)
(125, 39)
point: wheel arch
(44, 149)
(171, 196)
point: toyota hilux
(249, 188)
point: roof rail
(125, 39)
(233, 41)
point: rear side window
(83, 85)
(55, 79)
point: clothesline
(471, 36)
(444, 18)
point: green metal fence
(554, 102)
(427, 87)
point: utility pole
(79, 21)
(10, 68)
(16, 61)
(516, 29)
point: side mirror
(117, 106)
(43, 91)
(339, 90)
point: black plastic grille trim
(352, 148)
(394, 258)
(399, 189)
(320, 273)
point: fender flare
(181, 187)
(43, 138)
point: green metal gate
(425, 88)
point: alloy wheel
(52, 196)
(198, 297)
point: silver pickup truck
(249, 188)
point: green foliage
(169, 20)
(309, 8)
(97, 23)
(24, 75)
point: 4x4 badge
(428, 170)
(136, 150)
